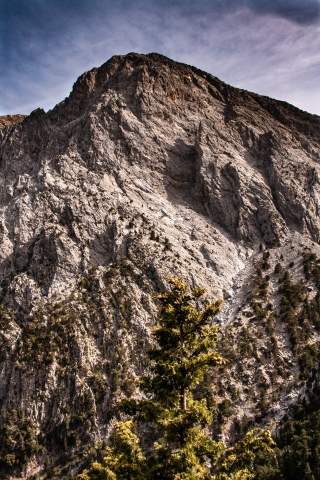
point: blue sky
(271, 47)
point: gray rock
(141, 145)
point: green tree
(300, 446)
(185, 349)
(19, 442)
(124, 460)
(252, 457)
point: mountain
(151, 168)
(10, 119)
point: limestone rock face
(10, 119)
(148, 168)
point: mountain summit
(150, 167)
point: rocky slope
(150, 168)
(11, 119)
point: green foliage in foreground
(18, 442)
(249, 459)
(299, 442)
(123, 460)
(185, 350)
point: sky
(271, 47)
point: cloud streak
(302, 12)
(268, 47)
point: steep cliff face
(148, 168)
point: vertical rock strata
(148, 168)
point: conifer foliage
(184, 350)
(123, 460)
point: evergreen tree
(124, 460)
(185, 350)
(253, 457)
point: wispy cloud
(271, 47)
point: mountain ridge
(151, 168)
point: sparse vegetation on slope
(151, 167)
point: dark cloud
(299, 11)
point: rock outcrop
(11, 119)
(148, 168)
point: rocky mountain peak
(150, 167)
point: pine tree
(185, 350)
(124, 460)
(246, 460)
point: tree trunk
(183, 392)
(183, 399)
